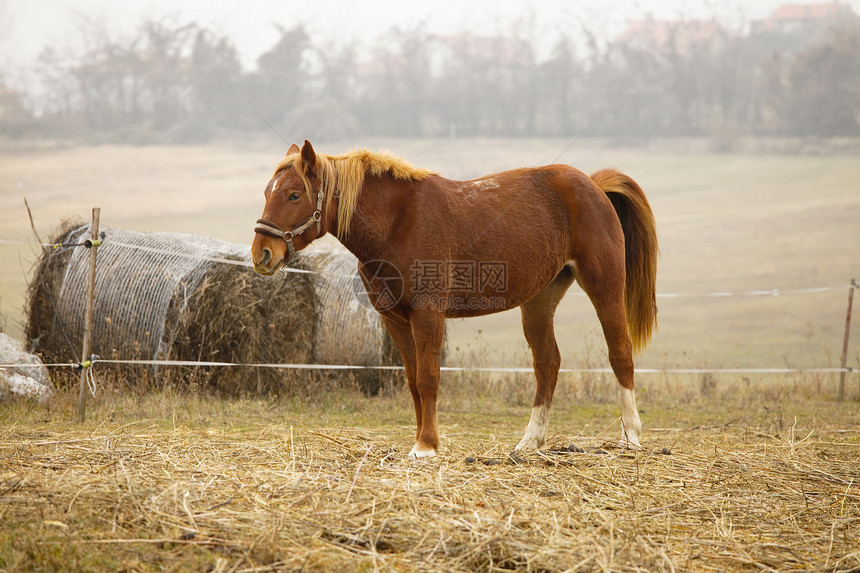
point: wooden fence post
(92, 244)
(845, 340)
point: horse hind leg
(604, 285)
(537, 315)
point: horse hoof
(628, 444)
(529, 445)
(420, 453)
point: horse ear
(294, 149)
(309, 156)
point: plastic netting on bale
(161, 296)
(167, 296)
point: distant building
(792, 18)
(496, 51)
(441, 55)
(681, 37)
(666, 41)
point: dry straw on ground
(262, 495)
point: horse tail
(640, 251)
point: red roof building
(793, 17)
(670, 36)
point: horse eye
(295, 196)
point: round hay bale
(45, 334)
(235, 315)
(167, 296)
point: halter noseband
(270, 229)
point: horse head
(292, 215)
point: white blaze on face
(631, 426)
(535, 433)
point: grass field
(732, 481)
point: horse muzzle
(265, 265)
(265, 257)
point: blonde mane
(342, 176)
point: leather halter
(270, 229)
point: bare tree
(397, 90)
(217, 87)
(563, 95)
(825, 88)
(324, 110)
(281, 81)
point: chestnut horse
(430, 248)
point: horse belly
(484, 286)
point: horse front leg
(428, 332)
(401, 332)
